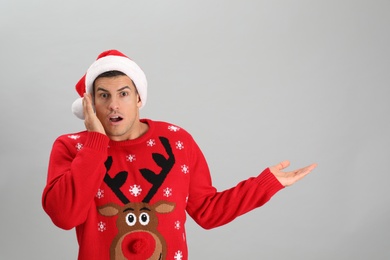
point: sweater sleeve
(210, 208)
(73, 179)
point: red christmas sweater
(128, 199)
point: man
(126, 183)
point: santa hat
(108, 61)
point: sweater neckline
(143, 138)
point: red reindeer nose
(138, 245)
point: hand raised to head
(91, 122)
(289, 178)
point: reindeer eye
(131, 219)
(144, 219)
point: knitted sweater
(128, 199)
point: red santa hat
(108, 61)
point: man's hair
(110, 74)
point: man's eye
(104, 95)
(123, 94)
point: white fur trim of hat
(108, 61)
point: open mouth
(116, 119)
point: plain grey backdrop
(255, 82)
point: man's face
(117, 106)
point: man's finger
(282, 165)
(87, 104)
(305, 170)
(310, 167)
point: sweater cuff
(267, 180)
(97, 141)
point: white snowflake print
(185, 169)
(135, 190)
(167, 192)
(173, 128)
(100, 194)
(179, 145)
(177, 225)
(101, 226)
(74, 137)
(130, 158)
(79, 146)
(178, 255)
(151, 142)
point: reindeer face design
(137, 222)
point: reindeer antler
(156, 180)
(116, 183)
(166, 165)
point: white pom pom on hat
(108, 61)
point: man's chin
(117, 135)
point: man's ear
(139, 101)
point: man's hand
(92, 123)
(289, 178)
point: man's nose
(114, 104)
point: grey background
(255, 82)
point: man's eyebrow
(105, 90)
(123, 88)
(101, 89)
